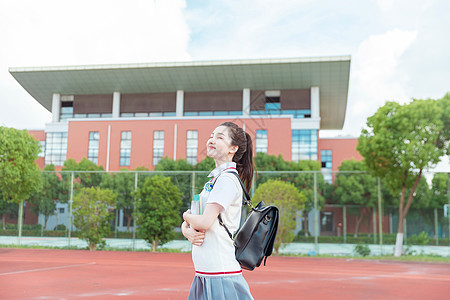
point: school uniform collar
(225, 166)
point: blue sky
(399, 49)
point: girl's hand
(186, 212)
(194, 237)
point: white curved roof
(330, 74)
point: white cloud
(53, 32)
(375, 76)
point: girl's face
(219, 146)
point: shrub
(289, 201)
(421, 239)
(362, 249)
(92, 213)
(60, 227)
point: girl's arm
(195, 237)
(203, 222)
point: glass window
(304, 144)
(261, 141)
(93, 115)
(66, 111)
(125, 148)
(326, 159)
(158, 146)
(93, 146)
(191, 146)
(56, 148)
(273, 106)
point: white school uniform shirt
(216, 256)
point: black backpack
(255, 238)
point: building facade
(128, 116)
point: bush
(60, 227)
(92, 213)
(362, 249)
(288, 199)
(421, 239)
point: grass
(411, 258)
(408, 258)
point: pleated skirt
(220, 288)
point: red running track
(79, 274)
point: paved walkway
(185, 246)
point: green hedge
(388, 239)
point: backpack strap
(245, 197)
(246, 201)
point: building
(127, 116)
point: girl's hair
(244, 155)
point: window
(66, 110)
(304, 144)
(158, 146)
(93, 146)
(42, 152)
(61, 210)
(261, 141)
(213, 113)
(326, 161)
(325, 157)
(191, 146)
(125, 148)
(56, 148)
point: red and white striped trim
(218, 273)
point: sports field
(80, 274)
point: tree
(208, 164)
(123, 184)
(44, 201)
(92, 213)
(359, 189)
(182, 181)
(7, 208)
(400, 141)
(440, 189)
(92, 178)
(19, 173)
(305, 183)
(288, 199)
(158, 210)
(440, 185)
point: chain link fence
(339, 207)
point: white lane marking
(47, 269)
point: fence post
(20, 221)
(380, 216)
(116, 223)
(316, 216)
(345, 223)
(192, 185)
(70, 208)
(374, 224)
(135, 210)
(436, 227)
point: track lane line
(47, 269)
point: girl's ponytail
(245, 164)
(244, 155)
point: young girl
(217, 273)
